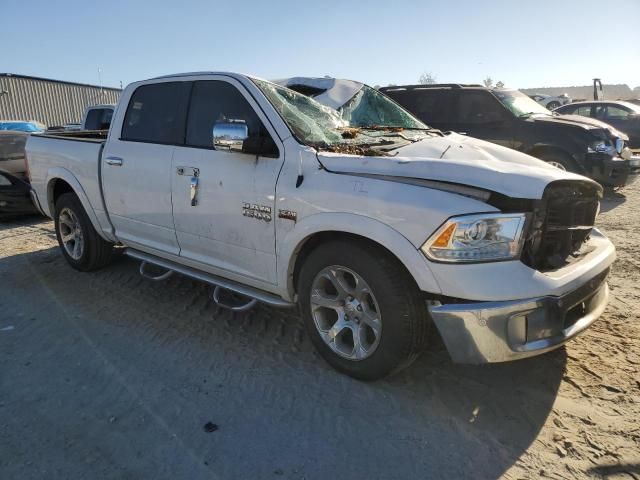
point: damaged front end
(560, 225)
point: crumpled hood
(465, 161)
(582, 122)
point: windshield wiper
(392, 128)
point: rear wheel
(363, 312)
(552, 105)
(81, 245)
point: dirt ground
(108, 375)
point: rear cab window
(98, 119)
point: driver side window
(215, 101)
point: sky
(522, 43)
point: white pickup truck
(375, 232)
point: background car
(15, 196)
(512, 119)
(13, 137)
(625, 116)
(21, 126)
(549, 101)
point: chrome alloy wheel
(557, 165)
(71, 233)
(345, 312)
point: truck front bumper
(484, 332)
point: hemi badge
(288, 215)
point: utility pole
(100, 83)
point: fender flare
(289, 246)
(59, 173)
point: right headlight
(602, 146)
(477, 238)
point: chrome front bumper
(485, 332)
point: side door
(479, 114)
(228, 227)
(137, 165)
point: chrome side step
(216, 281)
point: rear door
(479, 114)
(137, 165)
(229, 226)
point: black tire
(560, 159)
(96, 252)
(552, 105)
(402, 309)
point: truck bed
(72, 157)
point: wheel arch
(319, 228)
(61, 181)
(540, 149)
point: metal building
(51, 102)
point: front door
(137, 162)
(224, 200)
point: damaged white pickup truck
(377, 227)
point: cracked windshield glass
(369, 120)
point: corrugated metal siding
(49, 102)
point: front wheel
(81, 245)
(363, 312)
(558, 160)
(552, 105)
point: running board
(205, 277)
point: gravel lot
(108, 375)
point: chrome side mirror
(230, 135)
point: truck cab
(97, 117)
(373, 224)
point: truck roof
(201, 73)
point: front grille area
(561, 224)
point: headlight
(600, 146)
(619, 145)
(477, 238)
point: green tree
(427, 78)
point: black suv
(512, 119)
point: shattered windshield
(368, 120)
(310, 121)
(520, 104)
(369, 108)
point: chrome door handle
(188, 171)
(114, 161)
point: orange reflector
(443, 239)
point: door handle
(114, 161)
(188, 171)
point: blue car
(19, 126)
